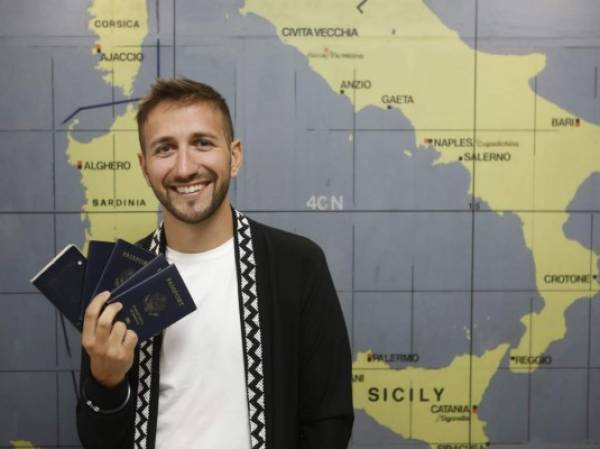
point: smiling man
(264, 362)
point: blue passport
(154, 266)
(61, 282)
(98, 254)
(124, 261)
(154, 304)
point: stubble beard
(193, 216)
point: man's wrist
(105, 400)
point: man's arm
(105, 410)
(325, 400)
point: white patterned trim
(251, 332)
(142, 409)
(252, 335)
(142, 414)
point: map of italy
(420, 404)
(121, 28)
(118, 203)
(523, 153)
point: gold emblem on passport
(123, 276)
(155, 303)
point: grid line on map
(533, 190)
(131, 130)
(354, 138)
(174, 45)
(352, 286)
(352, 292)
(114, 172)
(584, 292)
(473, 210)
(589, 336)
(504, 368)
(57, 316)
(321, 212)
(157, 15)
(412, 309)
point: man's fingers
(105, 321)
(117, 334)
(130, 341)
(91, 317)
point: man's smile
(191, 188)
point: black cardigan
(298, 361)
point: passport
(125, 259)
(98, 254)
(154, 304)
(61, 282)
(152, 267)
(152, 292)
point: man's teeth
(190, 189)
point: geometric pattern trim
(252, 335)
(142, 409)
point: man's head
(182, 91)
(188, 151)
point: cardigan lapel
(251, 330)
(149, 350)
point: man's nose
(184, 164)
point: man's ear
(237, 156)
(142, 160)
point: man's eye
(203, 143)
(163, 149)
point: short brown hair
(183, 91)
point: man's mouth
(193, 188)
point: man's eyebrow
(162, 139)
(198, 134)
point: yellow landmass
(118, 202)
(402, 49)
(121, 27)
(22, 444)
(432, 415)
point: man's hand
(110, 346)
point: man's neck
(199, 237)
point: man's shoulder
(284, 242)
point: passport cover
(125, 259)
(151, 268)
(61, 282)
(156, 303)
(98, 254)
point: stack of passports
(152, 292)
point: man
(264, 361)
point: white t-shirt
(202, 402)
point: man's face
(187, 159)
